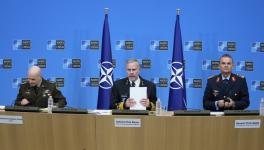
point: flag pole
(106, 10)
(178, 10)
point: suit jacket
(38, 96)
(216, 89)
(120, 92)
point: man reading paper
(121, 96)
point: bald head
(34, 76)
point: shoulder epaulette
(240, 76)
(211, 76)
(23, 83)
(51, 81)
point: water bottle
(158, 107)
(261, 107)
(50, 104)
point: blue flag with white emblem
(106, 69)
(177, 96)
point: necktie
(133, 84)
(226, 86)
(225, 81)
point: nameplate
(5, 119)
(247, 123)
(100, 112)
(127, 123)
(2, 107)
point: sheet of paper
(137, 93)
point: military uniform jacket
(216, 89)
(38, 96)
(120, 92)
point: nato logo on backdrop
(160, 82)
(257, 85)
(193, 46)
(210, 65)
(21, 45)
(257, 47)
(193, 83)
(37, 62)
(71, 63)
(158, 45)
(244, 66)
(56, 45)
(163, 82)
(17, 81)
(144, 63)
(226, 46)
(89, 82)
(124, 45)
(59, 81)
(90, 45)
(5, 63)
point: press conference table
(42, 131)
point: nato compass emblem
(176, 81)
(106, 81)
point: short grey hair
(228, 56)
(133, 61)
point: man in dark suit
(36, 91)
(226, 90)
(120, 92)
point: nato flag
(177, 96)
(106, 71)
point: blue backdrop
(209, 29)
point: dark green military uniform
(38, 96)
(217, 89)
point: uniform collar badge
(233, 79)
(217, 79)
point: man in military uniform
(120, 92)
(37, 90)
(226, 91)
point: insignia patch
(233, 79)
(27, 92)
(240, 76)
(217, 79)
(215, 93)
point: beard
(132, 78)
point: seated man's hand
(221, 103)
(24, 102)
(130, 102)
(145, 102)
(230, 104)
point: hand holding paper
(144, 102)
(130, 102)
(139, 94)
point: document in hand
(138, 93)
